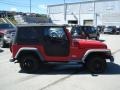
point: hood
(90, 44)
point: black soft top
(36, 25)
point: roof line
(81, 2)
(40, 24)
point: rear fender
(27, 50)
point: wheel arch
(96, 52)
(31, 51)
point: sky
(38, 6)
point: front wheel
(96, 64)
(29, 64)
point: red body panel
(89, 44)
(40, 48)
(78, 47)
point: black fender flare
(88, 52)
(29, 50)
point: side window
(87, 30)
(55, 32)
(79, 31)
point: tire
(96, 64)
(29, 64)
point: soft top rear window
(28, 35)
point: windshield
(6, 26)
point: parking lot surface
(62, 77)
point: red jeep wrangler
(46, 43)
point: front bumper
(111, 59)
(109, 56)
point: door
(56, 43)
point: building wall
(57, 18)
(102, 12)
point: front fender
(107, 53)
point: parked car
(100, 28)
(85, 32)
(76, 32)
(7, 33)
(110, 30)
(34, 46)
(118, 30)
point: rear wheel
(96, 64)
(29, 64)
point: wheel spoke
(29, 64)
(96, 64)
